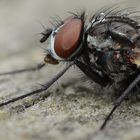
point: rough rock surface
(73, 108)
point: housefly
(106, 49)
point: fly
(106, 49)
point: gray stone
(75, 109)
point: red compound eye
(68, 37)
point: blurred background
(20, 20)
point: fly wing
(113, 35)
(111, 26)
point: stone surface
(75, 108)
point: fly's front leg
(92, 74)
(39, 90)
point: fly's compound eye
(65, 41)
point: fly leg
(93, 75)
(38, 67)
(39, 90)
(118, 102)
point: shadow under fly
(105, 48)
